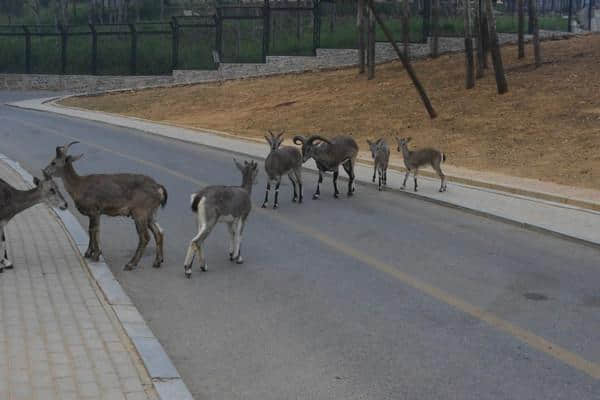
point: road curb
(222, 141)
(166, 380)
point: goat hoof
(350, 194)
(188, 275)
(6, 264)
(1, 270)
(157, 264)
(402, 187)
(416, 190)
(239, 260)
(294, 200)
(337, 196)
(275, 206)
(300, 201)
(315, 197)
(264, 205)
(129, 267)
(204, 268)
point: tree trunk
(485, 36)
(537, 53)
(162, 10)
(521, 27)
(469, 64)
(495, 49)
(371, 45)
(480, 54)
(406, 27)
(435, 28)
(360, 20)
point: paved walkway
(58, 337)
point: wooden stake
(537, 53)
(521, 27)
(405, 62)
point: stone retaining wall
(325, 59)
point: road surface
(381, 296)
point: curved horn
(317, 137)
(299, 139)
(280, 134)
(66, 148)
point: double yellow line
(537, 342)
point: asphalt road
(381, 296)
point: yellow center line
(531, 339)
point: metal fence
(240, 33)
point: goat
(381, 157)
(280, 161)
(13, 201)
(125, 195)
(328, 155)
(415, 159)
(228, 204)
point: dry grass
(546, 127)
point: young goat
(13, 201)
(415, 159)
(228, 204)
(116, 195)
(381, 157)
(281, 161)
(328, 155)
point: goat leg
(405, 178)
(267, 195)
(144, 237)
(276, 202)
(318, 192)
(335, 187)
(295, 198)
(158, 234)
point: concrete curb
(166, 380)
(575, 223)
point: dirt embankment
(546, 127)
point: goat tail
(164, 195)
(443, 157)
(194, 200)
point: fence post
(590, 9)
(27, 50)
(63, 49)
(426, 17)
(316, 26)
(94, 66)
(266, 28)
(219, 33)
(175, 43)
(133, 49)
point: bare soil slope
(546, 127)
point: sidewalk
(59, 339)
(558, 217)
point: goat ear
(238, 165)
(369, 142)
(36, 181)
(72, 159)
(408, 139)
(268, 139)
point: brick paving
(58, 337)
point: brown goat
(413, 160)
(127, 195)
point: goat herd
(139, 197)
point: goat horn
(66, 148)
(299, 139)
(280, 134)
(317, 137)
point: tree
(12, 9)
(469, 64)
(495, 49)
(537, 54)
(435, 34)
(521, 27)
(406, 26)
(479, 34)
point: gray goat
(13, 201)
(413, 160)
(281, 161)
(228, 204)
(116, 195)
(380, 152)
(328, 155)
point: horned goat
(328, 155)
(281, 161)
(413, 160)
(380, 152)
(228, 204)
(116, 195)
(13, 201)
